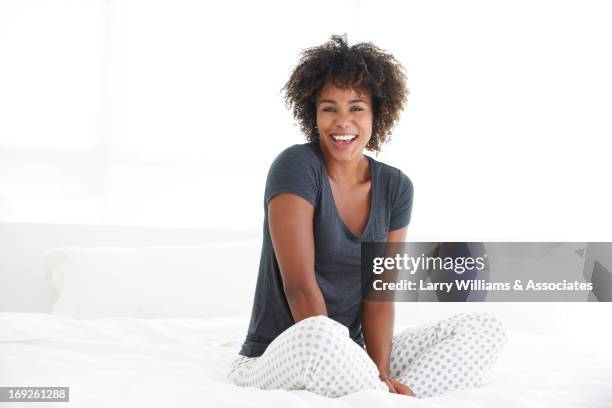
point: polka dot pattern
(450, 354)
(317, 354)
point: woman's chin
(346, 156)
(344, 153)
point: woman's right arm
(290, 221)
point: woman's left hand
(396, 387)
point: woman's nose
(344, 120)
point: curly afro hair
(363, 67)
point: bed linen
(129, 362)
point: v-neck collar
(333, 200)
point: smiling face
(344, 119)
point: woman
(309, 328)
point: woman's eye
(354, 109)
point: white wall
(506, 132)
(126, 112)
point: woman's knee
(315, 335)
(495, 325)
(491, 325)
(497, 328)
(309, 335)
(322, 324)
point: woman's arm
(377, 323)
(290, 221)
(377, 320)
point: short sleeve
(294, 170)
(402, 203)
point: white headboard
(23, 284)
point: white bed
(129, 362)
(179, 333)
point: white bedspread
(122, 362)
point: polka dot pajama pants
(318, 355)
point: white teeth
(344, 137)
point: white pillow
(151, 282)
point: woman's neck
(348, 172)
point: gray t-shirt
(300, 170)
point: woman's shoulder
(400, 192)
(295, 170)
(306, 151)
(394, 176)
(298, 157)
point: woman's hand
(395, 386)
